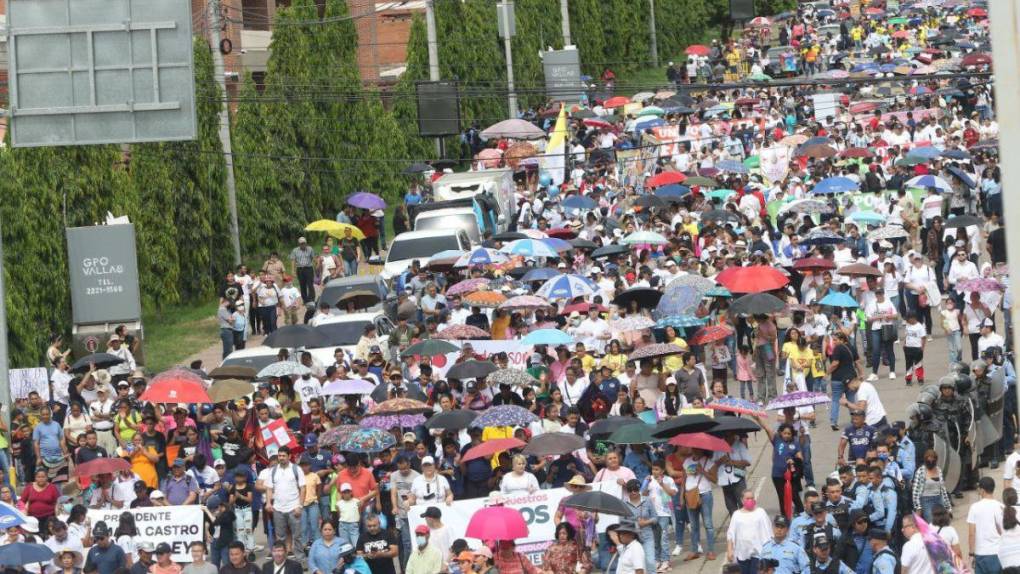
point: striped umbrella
(566, 287)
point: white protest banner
(516, 353)
(24, 381)
(537, 509)
(178, 526)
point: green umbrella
(897, 20)
(430, 348)
(759, 77)
(701, 181)
(753, 162)
(651, 111)
(720, 194)
(633, 434)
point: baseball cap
(410, 437)
(421, 529)
(146, 546)
(781, 521)
(432, 512)
(163, 548)
(311, 439)
(219, 462)
(428, 460)
(817, 507)
(179, 462)
(878, 534)
(156, 494)
(100, 530)
(302, 240)
(821, 540)
(345, 487)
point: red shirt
(40, 504)
(361, 484)
(367, 225)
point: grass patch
(641, 80)
(178, 333)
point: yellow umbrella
(334, 228)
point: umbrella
(718, 292)
(701, 440)
(471, 369)
(665, 178)
(553, 443)
(642, 96)
(334, 228)
(603, 428)
(504, 416)
(609, 250)
(529, 248)
(490, 157)
(697, 50)
(283, 369)
(348, 387)
(416, 168)
(630, 323)
(497, 523)
(856, 152)
(597, 501)
(646, 297)
(699, 283)
(961, 176)
(650, 201)
(547, 337)
(539, 274)
(365, 200)
(836, 184)
(811, 206)
(702, 181)
(224, 390)
(752, 279)
(22, 553)
(400, 406)
(680, 321)
(616, 102)
(979, 284)
(479, 257)
(813, 264)
(566, 287)
(739, 406)
(334, 436)
(655, 350)
(759, 22)
(651, 111)
(710, 334)
(797, 399)
(976, 59)
(513, 129)
(583, 244)
(643, 237)
(430, 348)
(451, 420)
(513, 377)
(365, 440)
(859, 270)
(732, 166)
(294, 336)
(487, 299)
(633, 434)
(579, 202)
(233, 372)
(965, 220)
(839, 299)
(468, 286)
(672, 192)
(387, 422)
(509, 236)
(104, 465)
(683, 424)
(491, 447)
(462, 332)
(757, 304)
(524, 302)
(100, 360)
(822, 236)
(926, 181)
(729, 424)
(867, 217)
(176, 386)
(888, 232)
(720, 216)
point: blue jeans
(648, 543)
(603, 557)
(988, 564)
(349, 531)
(680, 518)
(953, 341)
(227, 339)
(310, 524)
(217, 552)
(351, 267)
(880, 348)
(664, 522)
(702, 514)
(838, 390)
(928, 504)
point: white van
(412, 245)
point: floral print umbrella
(462, 332)
(387, 422)
(336, 435)
(366, 440)
(505, 416)
(400, 407)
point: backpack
(293, 467)
(593, 403)
(888, 551)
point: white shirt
(430, 491)
(512, 483)
(591, 333)
(990, 340)
(1009, 470)
(307, 389)
(914, 557)
(104, 408)
(748, 532)
(290, 296)
(124, 354)
(286, 490)
(875, 308)
(874, 411)
(728, 474)
(632, 558)
(986, 516)
(60, 381)
(572, 393)
(660, 500)
(914, 334)
(124, 490)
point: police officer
(857, 552)
(950, 412)
(886, 489)
(906, 452)
(822, 560)
(790, 557)
(824, 524)
(997, 360)
(884, 561)
(837, 505)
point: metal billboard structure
(563, 75)
(100, 71)
(103, 267)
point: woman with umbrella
(787, 466)
(566, 555)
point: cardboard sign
(276, 434)
(24, 381)
(178, 526)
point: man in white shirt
(914, 557)
(594, 331)
(307, 388)
(989, 338)
(632, 554)
(867, 400)
(60, 381)
(290, 298)
(116, 348)
(284, 484)
(1010, 478)
(984, 525)
(881, 312)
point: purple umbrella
(979, 284)
(736, 405)
(348, 387)
(386, 422)
(366, 200)
(468, 286)
(797, 399)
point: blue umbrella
(886, 68)
(672, 190)
(579, 202)
(836, 185)
(680, 322)
(926, 181)
(480, 256)
(866, 67)
(540, 274)
(955, 154)
(817, 140)
(821, 236)
(547, 337)
(839, 299)
(557, 243)
(732, 166)
(21, 553)
(867, 217)
(679, 299)
(566, 287)
(367, 441)
(529, 248)
(10, 516)
(962, 176)
(718, 291)
(925, 152)
(505, 416)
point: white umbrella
(513, 129)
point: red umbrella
(582, 308)
(595, 123)
(710, 334)
(102, 466)
(746, 101)
(753, 279)
(701, 440)
(976, 59)
(857, 152)
(665, 178)
(977, 13)
(788, 493)
(813, 264)
(616, 102)
(491, 447)
(864, 107)
(697, 50)
(760, 22)
(176, 386)
(901, 34)
(497, 523)
(561, 233)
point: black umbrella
(964, 220)
(596, 501)
(430, 348)
(683, 424)
(605, 427)
(101, 360)
(519, 272)
(609, 250)
(583, 244)
(757, 304)
(291, 336)
(721, 216)
(411, 391)
(452, 420)
(650, 201)
(444, 163)
(417, 168)
(361, 299)
(471, 370)
(233, 372)
(509, 236)
(553, 443)
(733, 424)
(646, 297)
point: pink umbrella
(490, 157)
(700, 440)
(497, 523)
(468, 286)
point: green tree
(405, 102)
(587, 33)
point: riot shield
(949, 460)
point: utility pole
(651, 29)
(5, 383)
(505, 11)
(219, 71)
(433, 45)
(565, 19)
(1004, 18)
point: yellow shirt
(588, 363)
(799, 358)
(312, 482)
(617, 362)
(490, 433)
